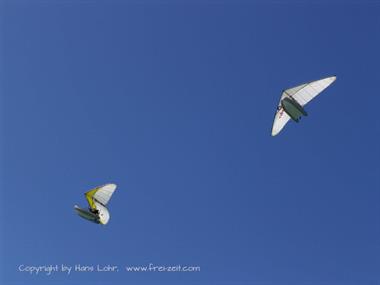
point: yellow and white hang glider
(97, 199)
(293, 100)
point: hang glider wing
(303, 94)
(280, 119)
(104, 215)
(101, 194)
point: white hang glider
(294, 99)
(97, 199)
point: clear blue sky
(174, 103)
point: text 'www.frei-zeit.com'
(80, 268)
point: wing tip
(274, 133)
(112, 185)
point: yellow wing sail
(89, 196)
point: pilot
(95, 211)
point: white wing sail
(303, 94)
(280, 120)
(104, 215)
(104, 193)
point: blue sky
(174, 102)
